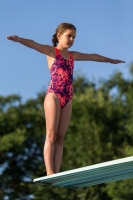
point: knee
(51, 136)
(60, 139)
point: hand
(14, 38)
(113, 61)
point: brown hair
(61, 29)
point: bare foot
(50, 174)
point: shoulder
(76, 55)
(73, 53)
(49, 50)
(45, 49)
(81, 56)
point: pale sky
(104, 27)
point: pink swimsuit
(62, 78)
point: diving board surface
(91, 175)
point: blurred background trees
(101, 129)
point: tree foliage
(100, 129)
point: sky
(104, 27)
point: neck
(62, 48)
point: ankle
(48, 174)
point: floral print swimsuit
(62, 78)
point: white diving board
(91, 175)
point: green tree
(22, 132)
(100, 130)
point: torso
(52, 57)
(61, 71)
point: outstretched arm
(46, 49)
(95, 57)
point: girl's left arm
(94, 57)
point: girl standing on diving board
(58, 99)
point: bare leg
(62, 128)
(52, 115)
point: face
(67, 38)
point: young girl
(58, 100)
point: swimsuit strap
(57, 51)
(70, 54)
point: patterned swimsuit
(62, 78)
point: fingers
(10, 37)
(13, 38)
(118, 61)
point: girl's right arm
(45, 49)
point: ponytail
(54, 40)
